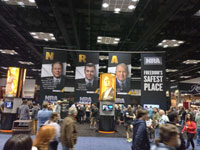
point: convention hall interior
(156, 41)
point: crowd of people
(147, 128)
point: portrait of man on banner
(107, 87)
(89, 79)
(52, 76)
(122, 79)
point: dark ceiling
(76, 24)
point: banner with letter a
(86, 77)
(153, 80)
(120, 64)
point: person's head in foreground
(18, 142)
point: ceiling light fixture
(165, 46)
(108, 40)
(21, 3)
(8, 52)
(43, 36)
(105, 5)
(131, 7)
(117, 9)
(26, 63)
(170, 43)
(4, 68)
(191, 61)
(31, 1)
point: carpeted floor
(88, 143)
(85, 130)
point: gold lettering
(82, 58)
(114, 59)
(49, 55)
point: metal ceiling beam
(62, 27)
(19, 36)
(71, 11)
(60, 22)
(172, 8)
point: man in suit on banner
(123, 82)
(59, 80)
(90, 81)
(109, 93)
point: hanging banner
(107, 87)
(120, 64)
(153, 80)
(86, 77)
(53, 75)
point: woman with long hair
(43, 137)
(53, 122)
(190, 129)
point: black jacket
(126, 87)
(140, 136)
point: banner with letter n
(153, 80)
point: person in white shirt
(53, 122)
(163, 118)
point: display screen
(8, 104)
(107, 107)
(147, 106)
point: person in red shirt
(190, 128)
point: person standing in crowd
(43, 137)
(23, 111)
(150, 112)
(18, 142)
(182, 114)
(35, 110)
(129, 116)
(163, 118)
(1, 110)
(53, 122)
(68, 130)
(140, 135)
(197, 119)
(94, 116)
(174, 120)
(43, 115)
(190, 129)
(168, 138)
(155, 121)
(122, 80)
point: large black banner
(153, 80)
(53, 75)
(120, 64)
(86, 77)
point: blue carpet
(92, 143)
(88, 143)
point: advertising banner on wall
(53, 75)
(120, 64)
(86, 77)
(107, 87)
(153, 80)
(12, 81)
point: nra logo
(152, 60)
